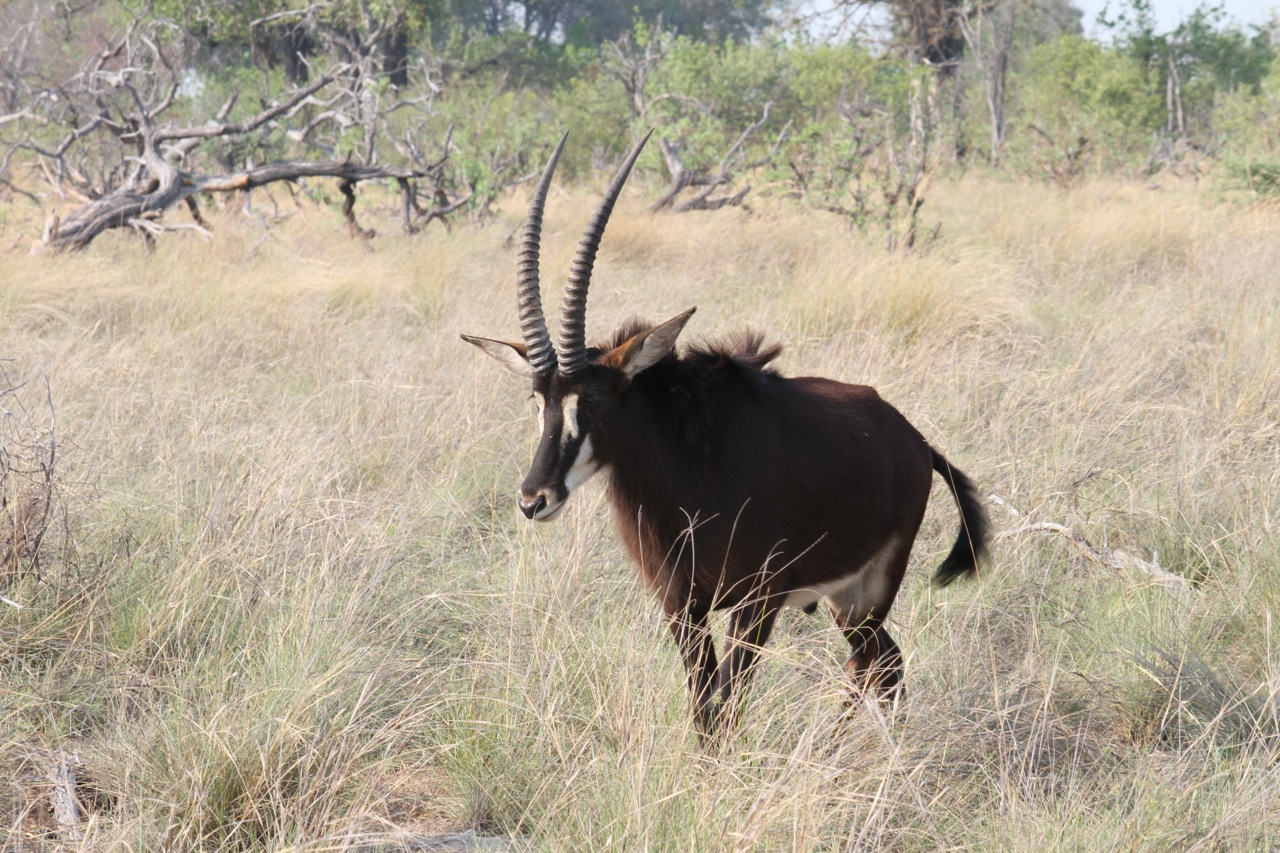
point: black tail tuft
(971, 544)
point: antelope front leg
(750, 624)
(699, 653)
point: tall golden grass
(290, 604)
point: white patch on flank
(873, 592)
(809, 595)
(569, 408)
(583, 467)
(863, 586)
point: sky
(1170, 12)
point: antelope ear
(646, 349)
(514, 357)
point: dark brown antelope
(732, 486)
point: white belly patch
(810, 595)
(845, 593)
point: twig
(62, 797)
(1112, 558)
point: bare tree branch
(125, 167)
(218, 128)
(682, 179)
(1100, 554)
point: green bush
(1080, 104)
(705, 95)
(1259, 178)
(1250, 121)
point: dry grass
(295, 608)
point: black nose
(533, 507)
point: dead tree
(124, 164)
(21, 74)
(18, 22)
(706, 182)
(158, 184)
(989, 35)
(874, 165)
(633, 65)
(907, 174)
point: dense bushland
(748, 103)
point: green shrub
(1077, 105)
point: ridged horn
(533, 325)
(573, 316)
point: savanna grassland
(286, 602)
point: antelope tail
(971, 543)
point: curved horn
(533, 325)
(573, 315)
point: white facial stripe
(569, 408)
(541, 423)
(583, 467)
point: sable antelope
(732, 486)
